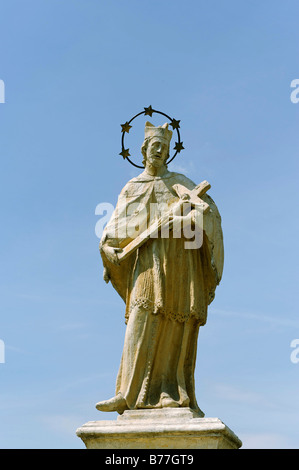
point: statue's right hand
(111, 253)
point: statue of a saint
(165, 285)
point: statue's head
(155, 148)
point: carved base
(166, 428)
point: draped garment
(167, 289)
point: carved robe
(167, 289)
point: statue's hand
(177, 221)
(106, 276)
(111, 253)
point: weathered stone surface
(162, 251)
(166, 428)
(167, 278)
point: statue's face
(157, 152)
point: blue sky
(74, 71)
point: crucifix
(186, 196)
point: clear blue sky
(74, 70)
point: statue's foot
(168, 402)
(117, 403)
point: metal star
(148, 111)
(125, 153)
(175, 124)
(178, 146)
(125, 127)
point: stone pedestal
(165, 428)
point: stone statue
(166, 285)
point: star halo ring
(125, 128)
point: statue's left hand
(106, 276)
(111, 253)
(177, 221)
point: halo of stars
(125, 129)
